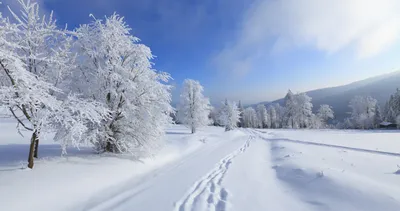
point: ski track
(209, 189)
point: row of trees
(92, 85)
(194, 109)
(297, 113)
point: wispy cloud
(367, 26)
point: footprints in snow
(208, 193)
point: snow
(82, 180)
(244, 169)
(330, 178)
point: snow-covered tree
(194, 108)
(325, 113)
(214, 116)
(276, 114)
(35, 59)
(346, 124)
(298, 110)
(241, 109)
(363, 111)
(392, 107)
(272, 116)
(378, 116)
(229, 115)
(250, 118)
(291, 111)
(304, 110)
(262, 115)
(115, 70)
(316, 122)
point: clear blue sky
(255, 50)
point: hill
(380, 88)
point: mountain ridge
(379, 87)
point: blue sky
(255, 50)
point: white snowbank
(60, 183)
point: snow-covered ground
(212, 170)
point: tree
(35, 58)
(229, 115)
(291, 110)
(378, 116)
(316, 122)
(241, 109)
(304, 107)
(392, 107)
(325, 113)
(363, 111)
(272, 115)
(298, 110)
(194, 108)
(276, 114)
(262, 116)
(214, 116)
(250, 118)
(115, 70)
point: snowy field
(242, 170)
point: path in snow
(208, 193)
(161, 189)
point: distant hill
(380, 88)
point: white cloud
(368, 26)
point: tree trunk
(35, 154)
(32, 150)
(193, 130)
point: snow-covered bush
(194, 109)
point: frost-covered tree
(276, 114)
(363, 111)
(325, 113)
(115, 70)
(241, 109)
(316, 122)
(229, 115)
(304, 109)
(35, 59)
(214, 116)
(392, 107)
(298, 110)
(291, 111)
(272, 116)
(250, 118)
(194, 108)
(262, 115)
(378, 116)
